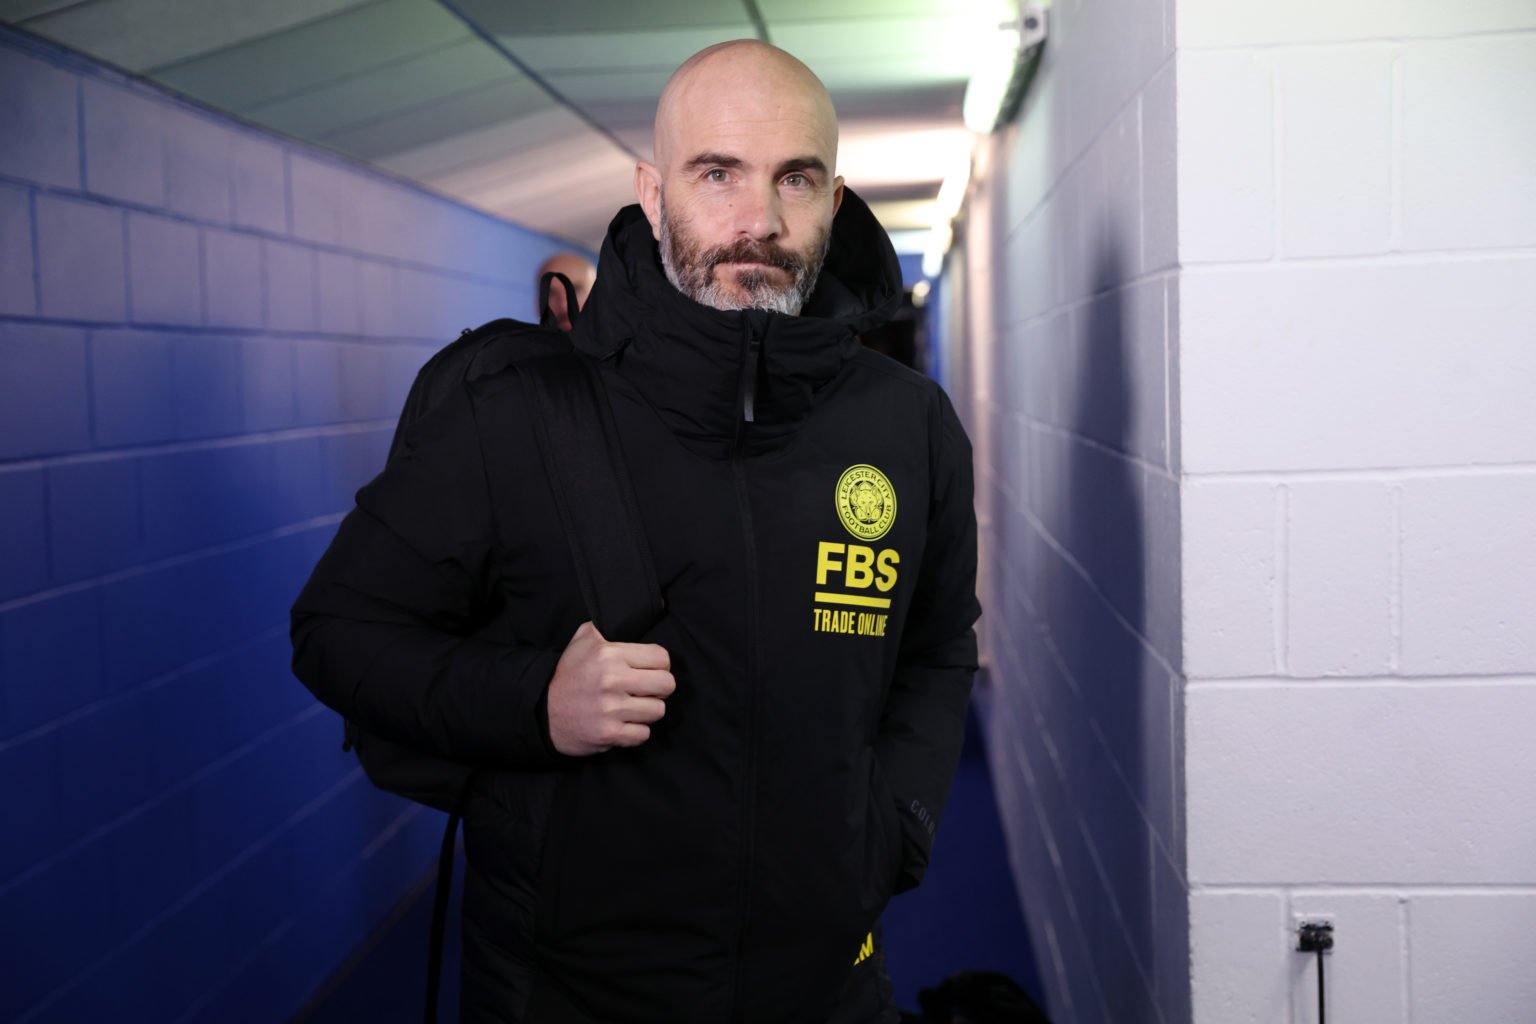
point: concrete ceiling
(535, 111)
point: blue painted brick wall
(164, 276)
(41, 115)
(193, 384)
(80, 259)
(45, 400)
(18, 293)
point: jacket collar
(706, 371)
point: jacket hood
(745, 378)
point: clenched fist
(607, 694)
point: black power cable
(1317, 937)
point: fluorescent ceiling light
(952, 192)
(997, 51)
(1003, 47)
(910, 242)
(885, 154)
(939, 240)
(904, 214)
(946, 209)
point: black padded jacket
(808, 504)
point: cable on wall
(1316, 937)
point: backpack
(579, 446)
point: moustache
(747, 251)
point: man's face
(748, 273)
(743, 191)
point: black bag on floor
(978, 997)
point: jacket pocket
(549, 876)
(507, 822)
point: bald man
(705, 826)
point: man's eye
(717, 175)
(797, 181)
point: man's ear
(648, 191)
(837, 194)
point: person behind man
(581, 273)
(706, 826)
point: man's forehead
(744, 93)
(721, 126)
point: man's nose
(760, 214)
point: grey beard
(690, 270)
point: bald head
(743, 78)
(574, 266)
(744, 187)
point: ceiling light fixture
(1010, 52)
(946, 209)
(1006, 63)
(939, 240)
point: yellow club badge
(866, 502)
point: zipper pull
(749, 376)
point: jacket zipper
(748, 414)
(748, 389)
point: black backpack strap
(440, 899)
(579, 445)
(572, 308)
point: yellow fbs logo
(866, 502)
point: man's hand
(607, 694)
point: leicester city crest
(866, 502)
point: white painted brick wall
(1159, 172)
(1250, 978)
(1471, 956)
(1162, 582)
(1468, 151)
(1365, 974)
(1226, 162)
(1352, 417)
(1367, 364)
(1417, 783)
(1069, 248)
(1216, 23)
(1469, 574)
(1251, 373)
(1230, 566)
(1335, 144)
(1340, 593)
(1170, 955)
